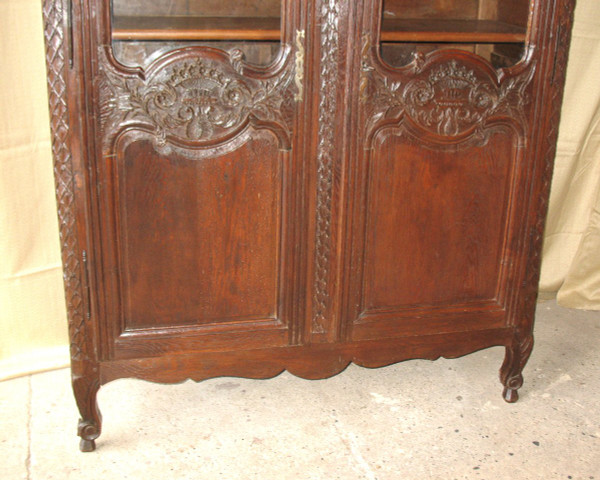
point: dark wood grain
(219, 253)
(446, 244)
(223, 218)
(315, 361)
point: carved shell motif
(195, 100)
(447, 98)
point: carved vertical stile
(63, 173)
(564, 11)
(83, 362)
(328, 88)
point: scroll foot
(87, 445)
(89, 428)
(89, 432)
(510, 395)
(516, 357)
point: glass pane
(493, 29)
(142, 30)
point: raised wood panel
(199, 234)
(436, 221)
(437, 170)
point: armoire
(247, 187)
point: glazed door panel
(197, 172)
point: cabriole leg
(511, 373)
(90, 424)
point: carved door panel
(197, 170)
(438, 189)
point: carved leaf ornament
(448, 99)
(195, 100)
(328, 105)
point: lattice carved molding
(57, 65)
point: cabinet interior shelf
(186, 28)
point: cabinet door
(197, 169)
(441, 168)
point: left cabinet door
(197, 165)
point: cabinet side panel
(200, 237)
(436, 222)
(57, 64)
(63, 60)
(554, 42)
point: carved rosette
(328, 81)
(195, 100)
(448, 98)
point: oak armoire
(246, 187)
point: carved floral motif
(195, 100)
(452, 100)
(448, 99)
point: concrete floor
(414, 420)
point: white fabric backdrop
(571, 261)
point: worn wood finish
(222, 218)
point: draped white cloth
(571, 260)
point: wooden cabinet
(253, 186)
